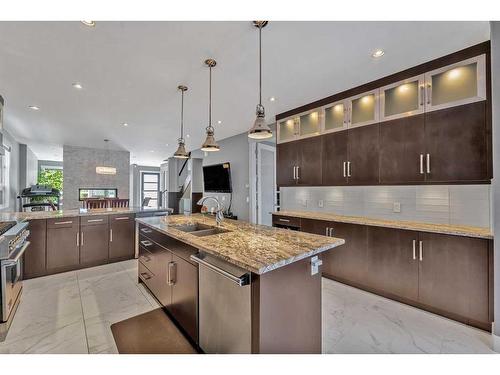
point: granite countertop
(457, 230)
(255, 248)
(8, 216)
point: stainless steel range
(13, 244)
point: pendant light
(260, 130)
(210, 144)
(181, 152)
(106, 169)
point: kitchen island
(236, 288)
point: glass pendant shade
(181, 152)
(210, 144)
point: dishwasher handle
(239, 280)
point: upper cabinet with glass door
(457, 84)
(335, 116)
(402, 99)
(363, 109)
(304, 125)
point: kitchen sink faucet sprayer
(219, 215)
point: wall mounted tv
(217, 178)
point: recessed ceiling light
(219, 122)
(77, 85)
(88, 23)
(33, 107)
(152, 151)
(187, 136)
(125, 124)
(272, 99)
(166, 144)
(378, 53)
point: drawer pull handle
(146, 243)
(145, 275)
(146, 230)
(63, 222)
(284, 220)
(146, 258)
(95, 220)
(122, 218)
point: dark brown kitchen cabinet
(402, 150)
(94, 240)
(363, 155)
(121, 237)
(184, 305)
(286, 164)
(309, 161)
(392, 262)
(321, 227)
(334, 157)
(34, 262)
(63, 244)
(453, 275)
(456, 144)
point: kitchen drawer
(94, 220)
(65, 222)
(286, 220)
(150, 233)
(146, 276)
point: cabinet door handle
(77, 238)
(298, 173)
(111, 235)
(428, 95)
(428, 163)
(414, 249)
(331, 232)
(327, 231)
(420, 251)
(294, 172)
(421, 163)
(170, 279)
(146, 230)
(345, 174)
(81, 243)
(422, 95)
(146, 243)
(348, 169)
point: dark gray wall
(235, 151)
(79, 165)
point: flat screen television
(217, 178)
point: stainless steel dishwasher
(225, 321)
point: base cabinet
(63, 244)
(34, 262)
(121, 237)
(445, 274)
(94, 240)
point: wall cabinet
(432, 127)
(121, 237)
(63, 244)
(34, 263)
(299, 163)
(303, 125)
(445, 274)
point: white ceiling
(130, 72)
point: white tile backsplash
(444, 204)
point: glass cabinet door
(457, 84)
(287, 129)
(335, 117)
(309, 124)
(401, 99)
(363, 109)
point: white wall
(9, 141)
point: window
(97, 193)
(150, 188)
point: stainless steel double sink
(200, 230)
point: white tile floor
(72, 313)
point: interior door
(449, 264)
(334, 164)
(309, 161)
(266, 181)
(286, 162)
(402, 150)
(392, 261)
(363, 155)
(456, 144)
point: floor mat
(150, 333)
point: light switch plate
(396, 207)
(320, 203)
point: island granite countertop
(255, 248)
(456, 230)
(39, 215)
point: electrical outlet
(396, 207)
(320, 203)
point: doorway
(263, 182)
(150, 189)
